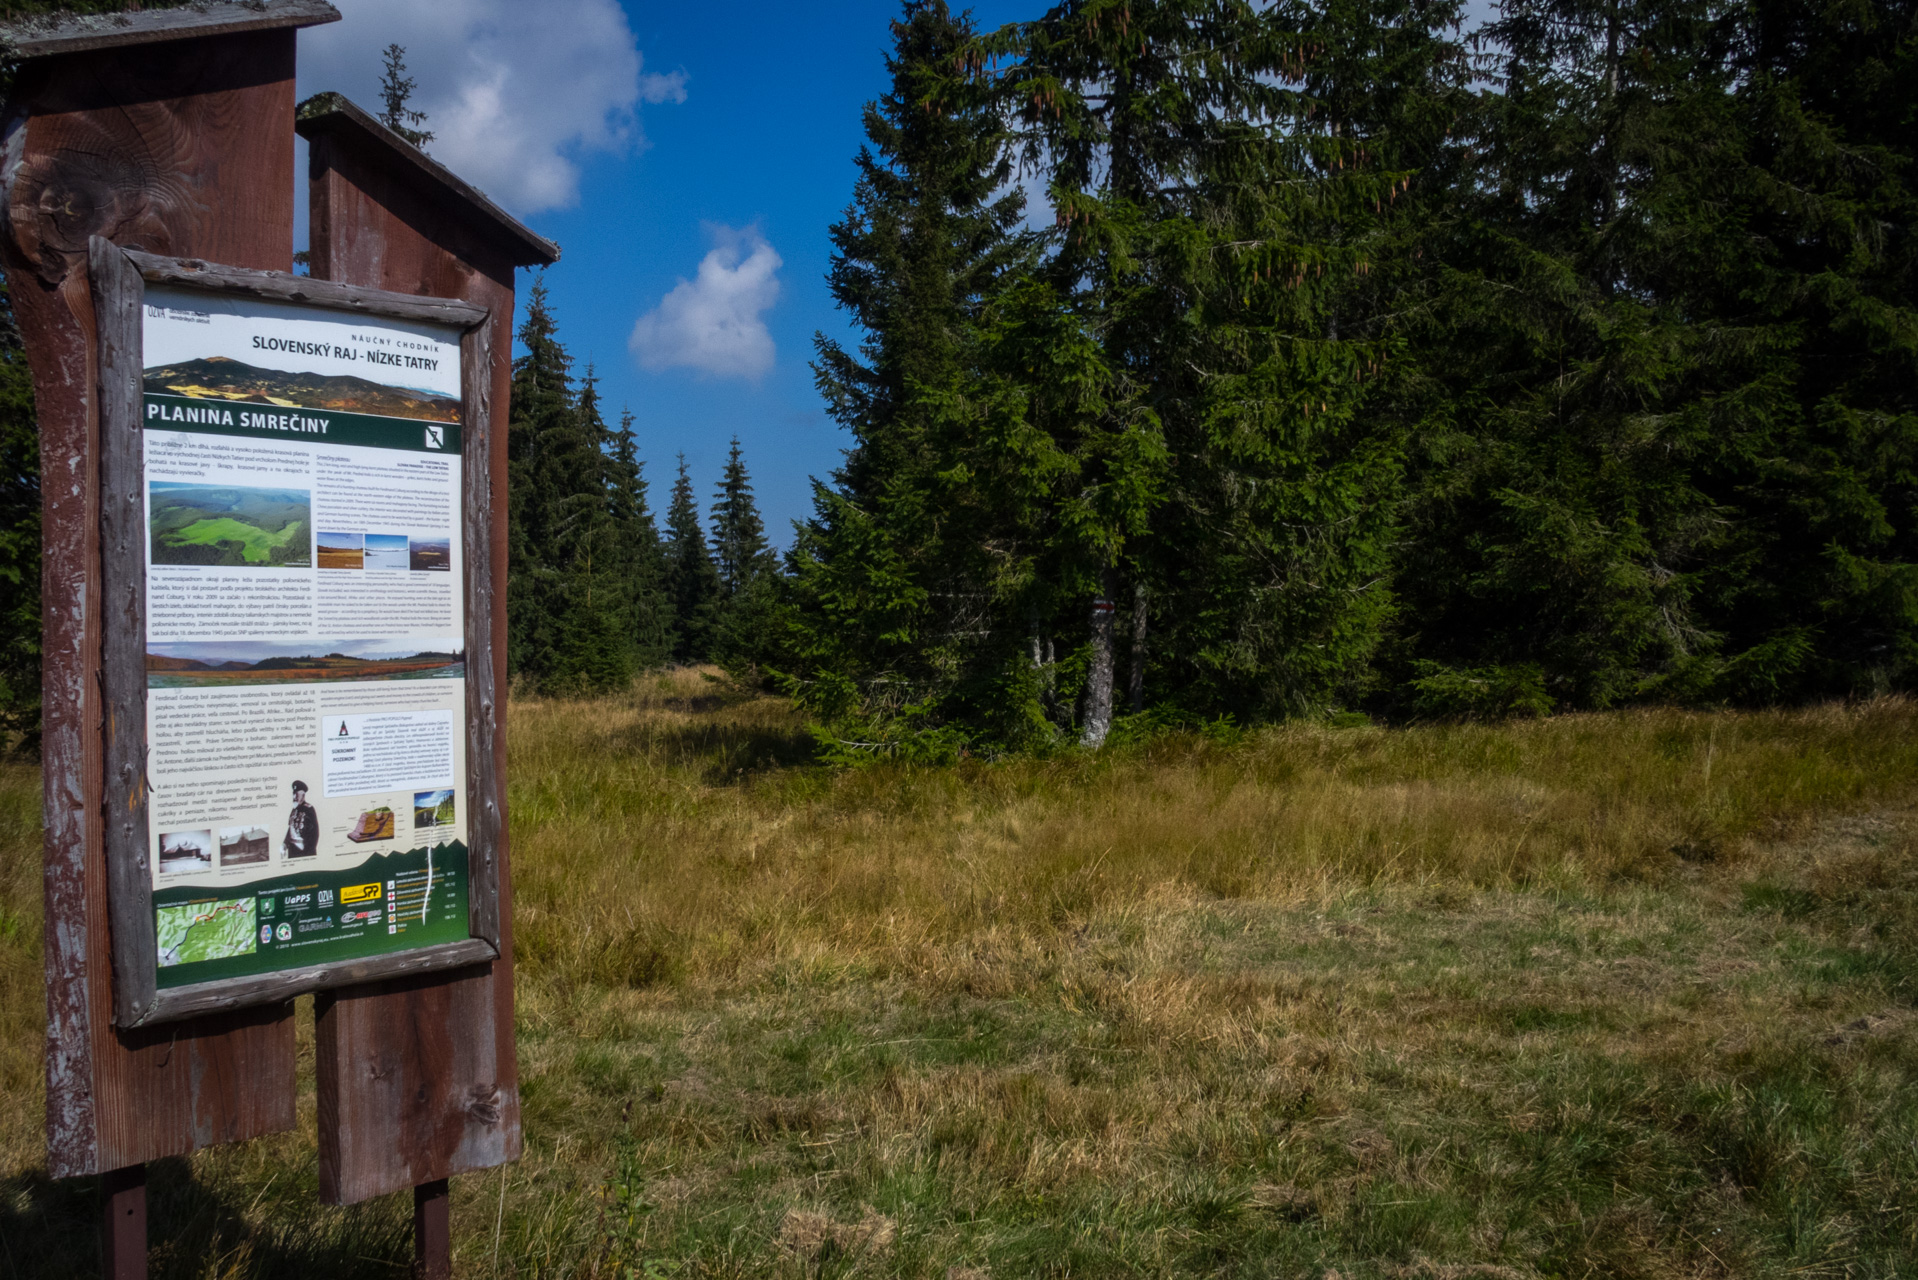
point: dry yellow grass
(652, 840)
(1627, 994)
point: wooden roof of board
(45, 35)
(333, 113)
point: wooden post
(432, 1231)
(169, 131)
(123, 1244)
(417, 1078)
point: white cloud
(712, 323)
(514, 92)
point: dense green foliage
(1164, 406)
(901, 592)
(745, 566)
(1369, 364)
(1670, 349)
(692, 580)
(595, 594)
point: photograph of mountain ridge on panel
(194, 664)
(224, 378)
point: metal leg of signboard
(432, 1232)
(124, 1246)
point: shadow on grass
(723, 750)
(51, 1229)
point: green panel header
(313, 426)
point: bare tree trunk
(1135, 678)
(1099, 679)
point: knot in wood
(59, 201)
(483, 1104)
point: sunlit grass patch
(1626, 994)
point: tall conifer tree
(582, 608)
(748, 570)
(542, 412)
(910, 578)
(692, 581)
(651, 623)
(589, 582)
(1668, 317)
(1215, 196)
(740, 552)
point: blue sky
(645, 137)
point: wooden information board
(284, 520)
(146, 184)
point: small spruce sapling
(396, 90)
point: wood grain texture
(117, 295)
(442, 1097)
(281, 286)
(238, 993)
(186, 154)
(433, 1231)
(335, 116)
(44, 36)
(485, 787)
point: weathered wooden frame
(119, 278)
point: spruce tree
(1678, 422)
(585, 604)
(1289, 432)
(910, 581)
(747, 568)
(644, 564)
(396, 93)
(692, 581)
(740, 552)
(541, 413)
(587, 574)
(1216, 201)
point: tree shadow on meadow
(722, 733)
(196, 1228)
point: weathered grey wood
(327, 114)
(280, 286)
(485, 805)
(41, 37)
(117, 294)
(269, 988)
(181, 149)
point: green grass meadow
(1628, 994)
(256, 544)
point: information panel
(305, 657)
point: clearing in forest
(1625, 994)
